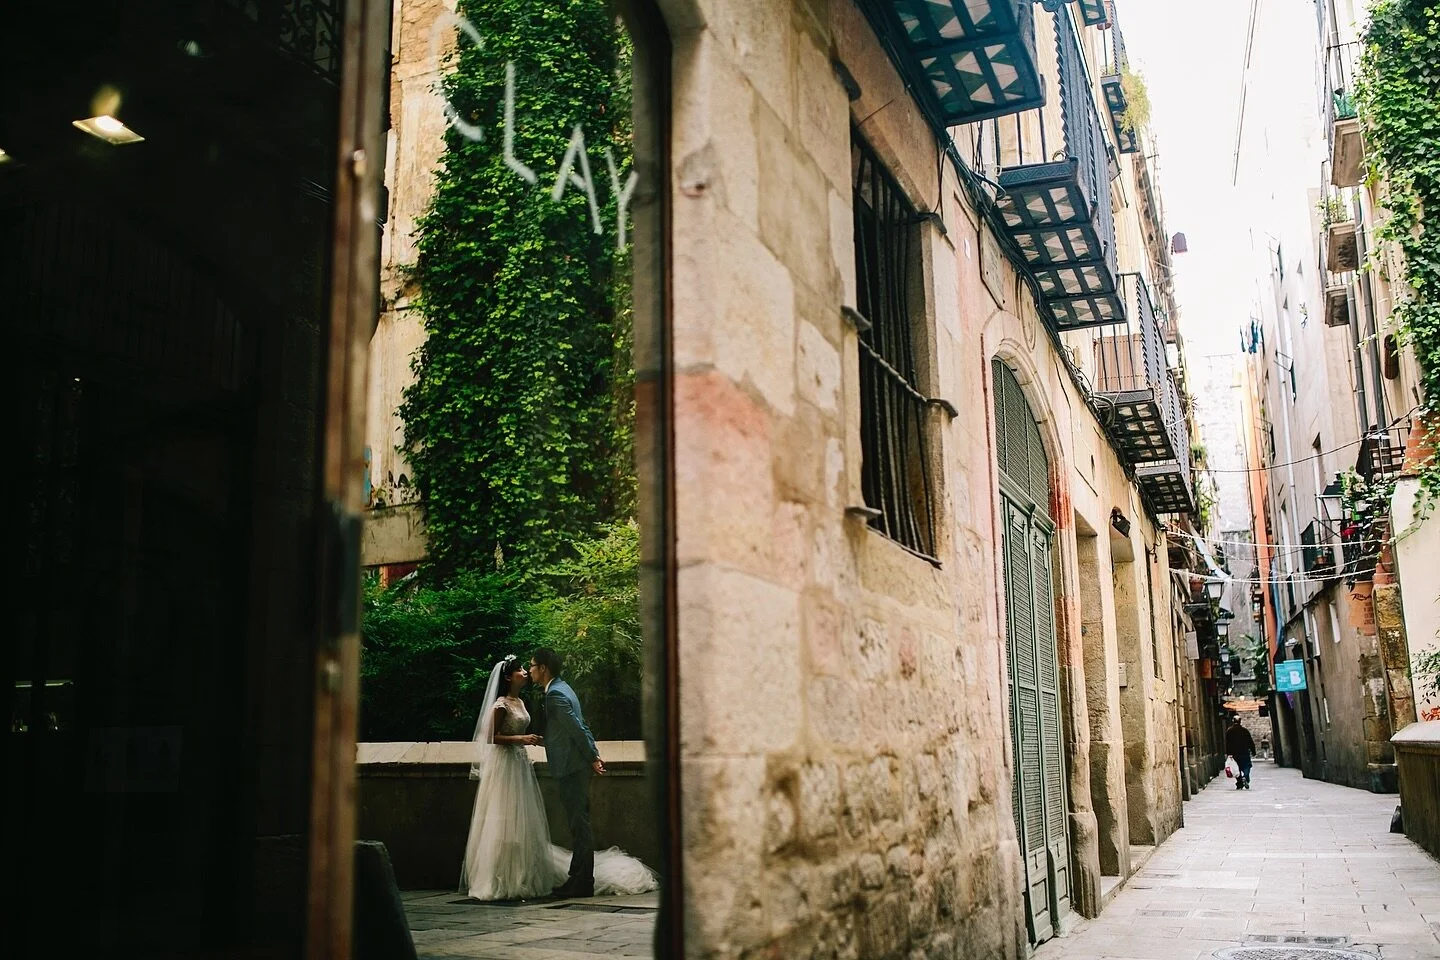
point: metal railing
(1342, 61)
(1112, 49)
(1036, 145)
(1130, 356)
(307, 30)
(1382, 453)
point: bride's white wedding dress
(509, 855)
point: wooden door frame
(354, 292)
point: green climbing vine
(519, 425)
(1398, 99)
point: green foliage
(589, 610)
(590, 606)
(1137, 100)
(428, 651)
(1398, 96)
(519, 424)
(1333, 210)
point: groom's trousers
(575, 797)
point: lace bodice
(516, 720)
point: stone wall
(843, 707)
(844, 712)
(417, 799)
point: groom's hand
(599, 767)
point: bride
(509, 855)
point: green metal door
(1038, 786)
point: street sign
(1290, 675)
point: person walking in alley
(1240, 745)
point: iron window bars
(893, 412)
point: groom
(570, 750)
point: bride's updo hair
(507, 669)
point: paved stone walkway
(444, 924)
(1290, 858)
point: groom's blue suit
(570, 750)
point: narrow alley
(1291, 863)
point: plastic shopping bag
(1230, 769)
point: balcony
(1054, 172)
(1357, 547)
(1137, 396)
(1342, 126)
(1315, 553)
(1113, 77)
(968, 60)
(1168, 485)
(1337, 304)
(1382, 454)
(1094, 12)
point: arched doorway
(1038, 786)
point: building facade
(1331, 401)
(939, 680)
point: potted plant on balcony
(1342, 252)
(1346, 148)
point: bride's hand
(531, 740)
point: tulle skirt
(509, 855)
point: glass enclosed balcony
(968, 60)
(1054, 170)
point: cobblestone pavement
(444, 924)
(1290, 858)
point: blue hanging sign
(1290, 675)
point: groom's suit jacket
(569, 746)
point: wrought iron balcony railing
(1342, 126)
(1113, 75)
(1359, 550)
(1054, 170)
(308, 31)
(1382, 453)
(1170, 485)
(1137, 394)
(968, 60)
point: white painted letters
(583, 181)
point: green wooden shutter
(1052, 732)
(1038, 785)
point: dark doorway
(167, 313)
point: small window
(894, 412)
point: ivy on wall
(519, 425)
(1398, 93)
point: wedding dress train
(509, 855)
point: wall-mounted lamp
(1120, 522)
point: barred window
(893, 410)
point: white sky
(1192, 57)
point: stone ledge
(453, 758)
(1424, 735)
